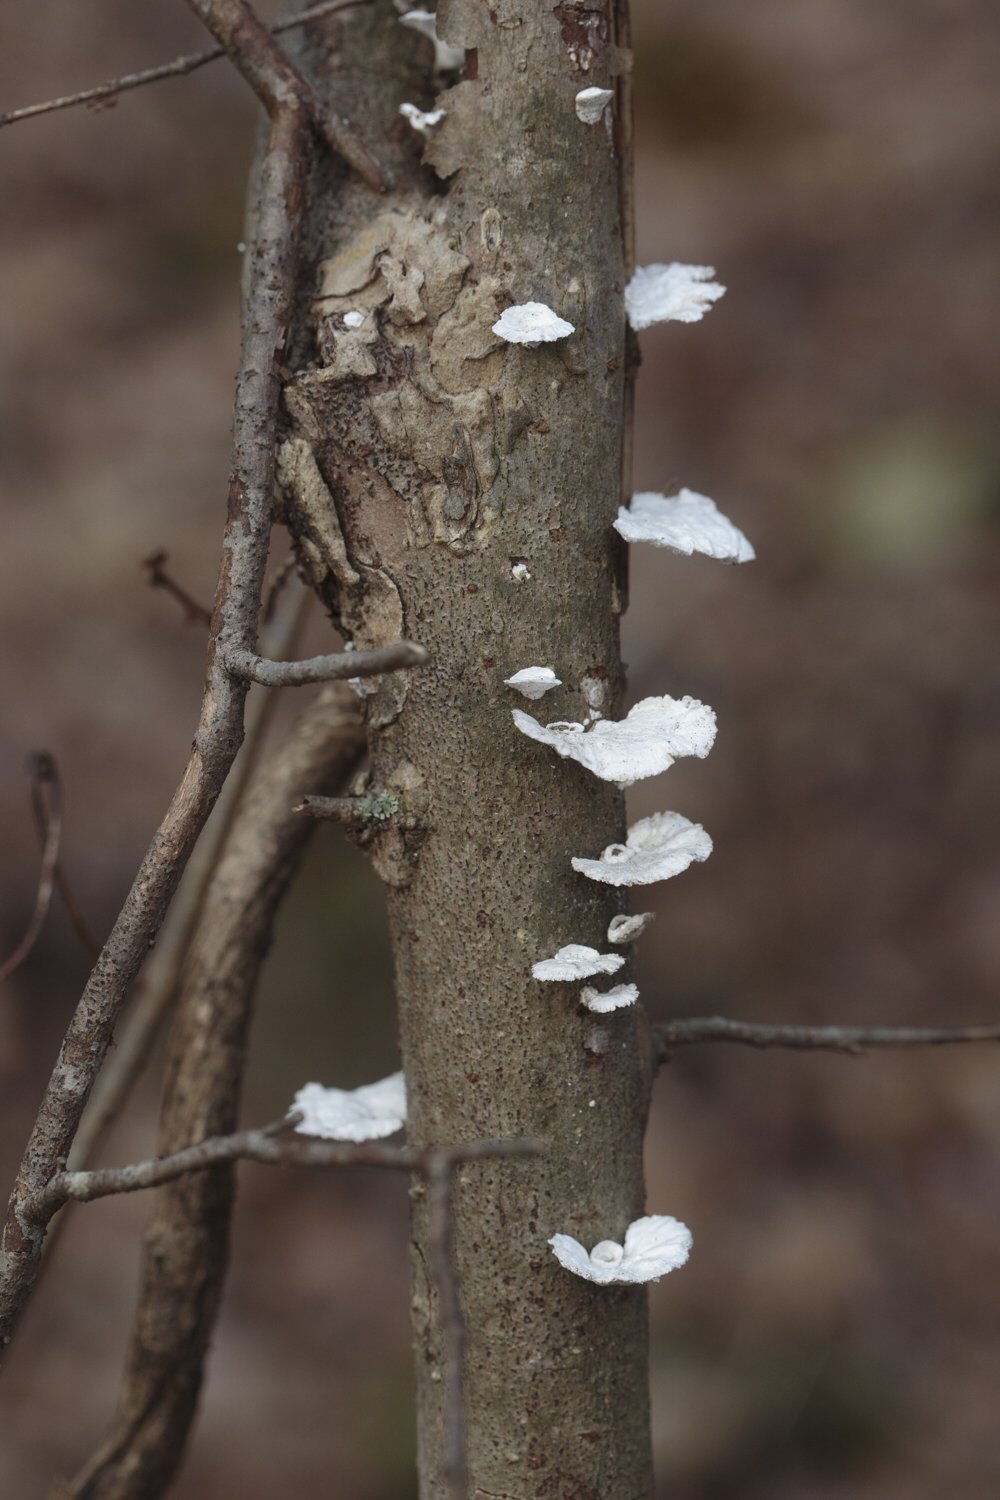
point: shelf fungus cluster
(654, 733)
(653, 1247)
(646, 742)
(363, 1114)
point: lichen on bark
(451, 458)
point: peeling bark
(452, 457)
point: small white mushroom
(354, 319)
(671, 293)
(362, 1114)
(686, 522)
(576, 961)
(446, 57)
(422, 121)
(591, 104)
(653, 1247)
(531, 323)
(520, 572)
(656, 848)
(653, 734)
(625, 928)
(533, 682)
(607, 1000)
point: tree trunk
(453, 458)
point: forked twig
(107, 93)
(268, 1146)
(217, 740)
(278, 83)
(186, 1242)
(850, 1039)
(159, 578)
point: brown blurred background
(837, 1333)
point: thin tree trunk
(453, 458)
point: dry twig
(47, 798)
(107, 93)
(331, 668)
(40, 808)
(269, 1147)
(159, 578)
(851, 1039)
(441, 1256)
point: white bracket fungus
(531, 323)
(576, 961)
(673, 293)
(653, 734)
(656, 848)
(533, 682)
(653, 1247)
(446, 57)
(623, 929)
(422, 121)
(686, 522)
(591, 104)
(362, 1114)
(602, 1002)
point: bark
(186, 1245)
(446, 458)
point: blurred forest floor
(837, 1333)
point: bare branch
(234, 626)
(277, 82)
(852, 1039)
(186, 1242)
(39, 806)
(47, 797)
(250, 667)
(345, 809)
(268, 1147)
(159, 578)
(283, 574)
(107, 93)
(441, 1256)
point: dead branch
(267, 1147)
(185, 1250)
(283, 574)
(107, 93)
(667, 1035)
(40, 808)
(250, 667)
(441, 1258)
(47, 799)
(338, 809)
(273, 265)
(278, 84)
(159, 578)
(160, 977)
